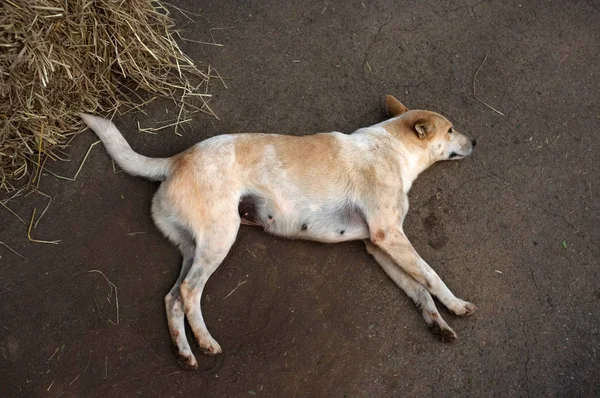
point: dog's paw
(187, 362)
(464, 308)
(210, 347)
(445, 333)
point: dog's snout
(473, 142)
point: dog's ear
(394, 107)
(423, 127)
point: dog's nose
(474, 142)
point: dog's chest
(323, 221)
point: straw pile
(61, 57)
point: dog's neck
(415, 152)
(413, 164)
(413, 160)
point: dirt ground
(513, 229)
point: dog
(327, 187)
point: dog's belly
(330, 222)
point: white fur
(130, 161)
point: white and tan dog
(328, 187)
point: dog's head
(429, 130)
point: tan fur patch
(393, 106)
(183, 186)
(309, 160)
(403, 128)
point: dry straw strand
(113, 287)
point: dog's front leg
(415, 291)
(392, 240)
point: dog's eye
(450, 130)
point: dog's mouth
(455, 155)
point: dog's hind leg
(415, 291)
(173, 302)
(174, 308)
(214, 237)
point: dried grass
(60, 57)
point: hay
(58, 58)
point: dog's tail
(130, 161)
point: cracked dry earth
(513, 229)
